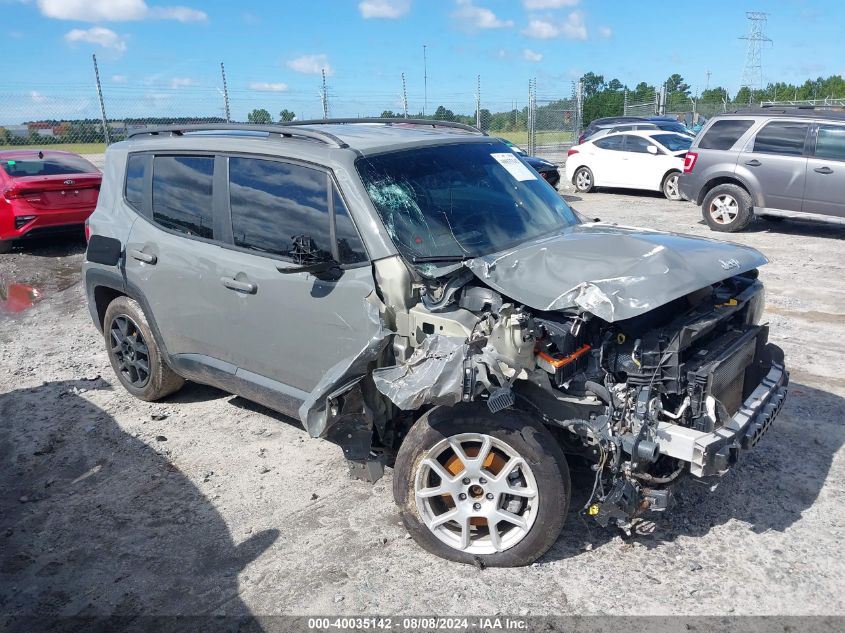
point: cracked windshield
(461, 201)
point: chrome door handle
(823, 170)
(753, 163)
(141, 256)
(241, 286)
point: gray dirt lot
(205, 503)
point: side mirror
(651, 149)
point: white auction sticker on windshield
(514, 166)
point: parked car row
(609, 125)
(771, 162)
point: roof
(363, 135)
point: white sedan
(639, 159)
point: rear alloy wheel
(727, 208)
(670, 186)
(133, 352)
(475, 487)
(583, 180)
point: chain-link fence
(75, 119)
(554, 122)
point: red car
(43, 192)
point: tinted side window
(636, 144)
(782, 137)
(723, 134)
(273, 203)
(135, 169)
(610, 142)
(831, 142)
(182, 194)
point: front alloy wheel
(476, 494)
(475, 487)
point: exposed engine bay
(646, 399)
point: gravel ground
(206, 503)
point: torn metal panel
(432, 375)
(315, 411)
(613, 272)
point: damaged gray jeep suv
(415, 293)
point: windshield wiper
(433, 259)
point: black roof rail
(831, 112)
(179, 130)
(434, 123)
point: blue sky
(161, 57)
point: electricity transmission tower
(752, 74)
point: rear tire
(669, 186)
(134, 354)
(727, 208)
(6, 246)
(583, 180)
(532, 523)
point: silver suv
(415, 293)
(767, 161)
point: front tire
(583, 180)
(134, 354)
(670, 186)
(6, 246)
(473, 487)
(727, 208)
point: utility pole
(404, 96)
(707, 84)
(225, 93)
(425, 81)
(478, 102)
(325, 95)
(102, 103)
(752, 73)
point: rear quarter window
(725, 133)
(182, 194)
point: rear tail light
(689, 162)
(87, 231)
(571, 152)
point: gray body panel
(613, 272)
(825, 188)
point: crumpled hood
(614, 272)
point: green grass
(542, 138)
(76, 148)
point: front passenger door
(290, 328)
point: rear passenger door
(289, 328)
(825, 190)
(171, 254)
(776, 162)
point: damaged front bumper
(714, 453)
